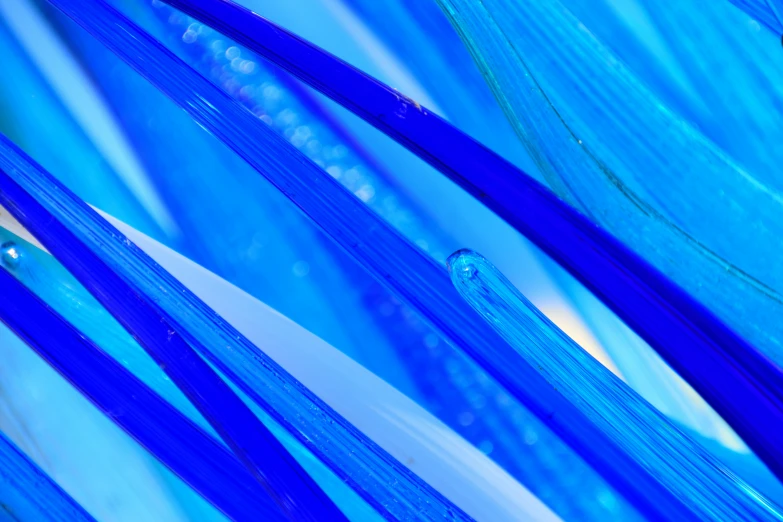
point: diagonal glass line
(86, 104)
(383, 482)
(30, 494)
(392, 260)
(658, 310)
(264, 456)
(176, 441)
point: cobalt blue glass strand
(27, 101)
(494, 422)
(697, 214)
(229, 223)
(739, 382)
(637, 363)
(264, 91)
(27, 493)
(394, 261)
(445, 71)
(381, 480)
(288, 484)
(710, 225)
(205, 227)
(626, 420)
(464, 396)
(201, 461)
(443, 279)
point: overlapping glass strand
(659, 311)
(452, 365)
(291, 488)
(295, 408)
(462, 395)
(233, 222)
(546, 400)
(768, 12)
(28, 494)
(710, 91)
(202, 462)
(626, 193)
(569, 461)
(624, 416)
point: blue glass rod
(647, 448)
(743, 386)
(28, 493)
(395, 262)
(266, 458)
(197, 458)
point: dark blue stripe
(28, 493)
(743, 385)
(291, 487)
(176, 441)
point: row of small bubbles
(243, 75)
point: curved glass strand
(731, 226)
(734, 97)
(44, 276)
(493, 421)
(541, 465)
(411, 430)
(205, 464)
(410, 27)
(394, 422)
(426, 285)
(260, 376)
(626, 421)
(27, 101)
(420, 34)
(582, 494)
(92, 458)
(444, 280)
(267, 460)
(748, 395)
(233, 222)
(575, 125)
(27, 493)
(295, 113)
(296, 349)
